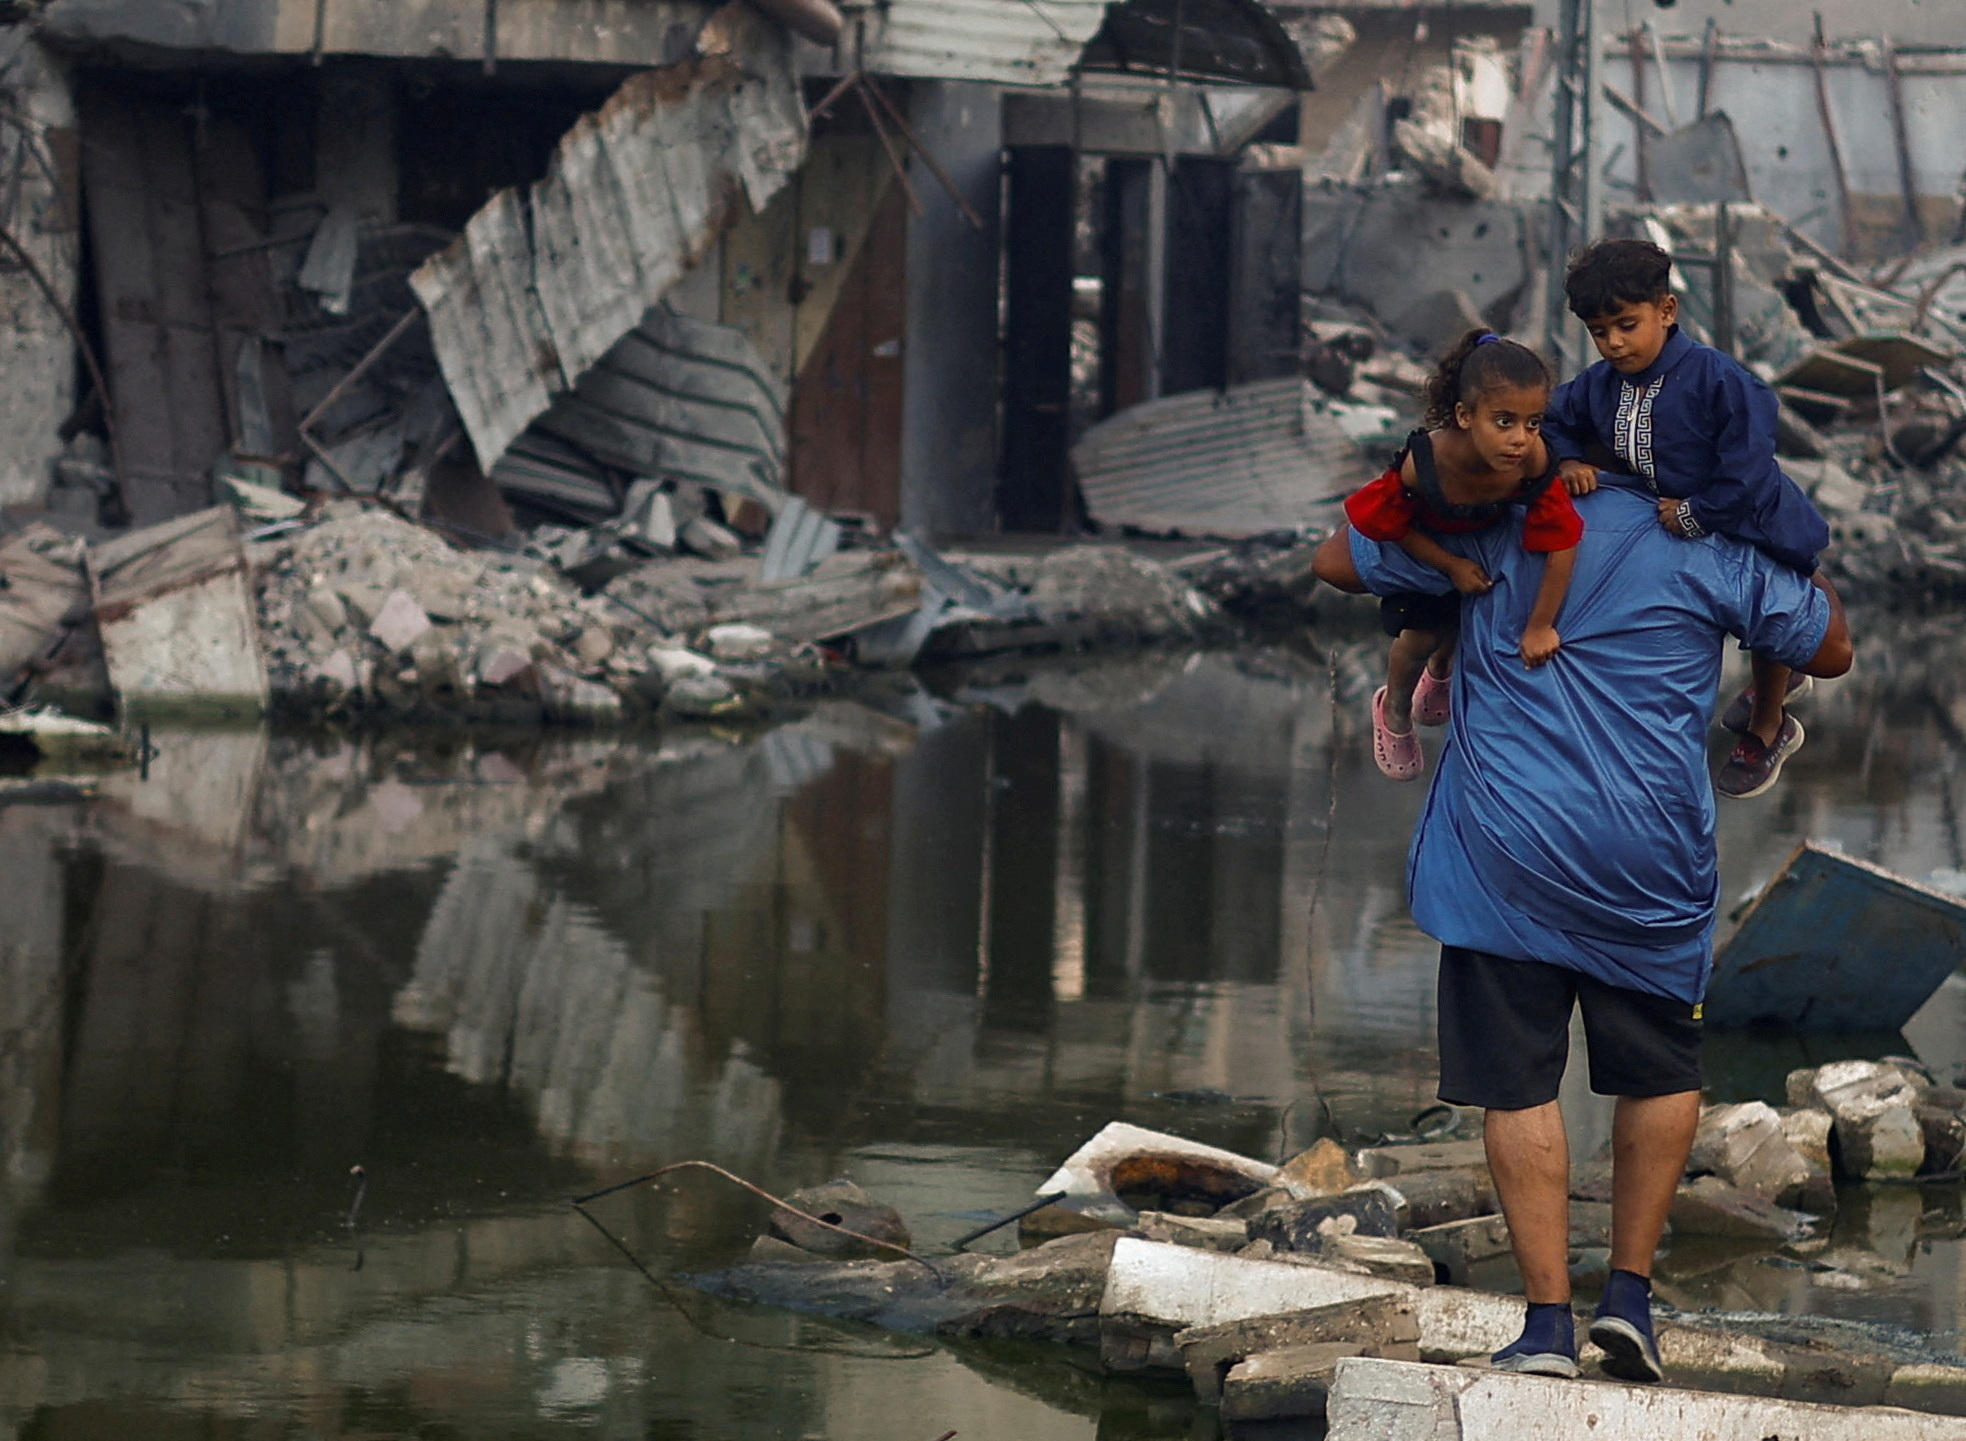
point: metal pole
(1576, 188)
(1901, 140)
(1723, 279)
(1846, 212)
(1709, 52)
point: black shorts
(1505, 1034)
(1418, 610)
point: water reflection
(930, 943)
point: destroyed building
(651, 314)
(571, 245)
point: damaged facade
(636, 289)
(377, 252)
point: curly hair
(1480, 362)
(1610, 274)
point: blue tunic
(1571, 818)
(1693, 425)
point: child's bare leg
(1403, 663)
(1441, 662)
(1771, 688)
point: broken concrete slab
(1284, 1384)
(1155, 1290)
(1746, 1146)
(1209, 1232)
(1380, 1400)
(1709, 1206)
(1381, 1325)
(1388, 1256)
(1368, 1210)
(46, 591)
(1879, 1138)
(1454, 1246)
(1808, 1131)
(1387, 1162)
(179, 629)
(1432, 1198)
(845, 593)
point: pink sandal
(1430, 705)
(1398, 756)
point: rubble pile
(362, 612)
(1257, 1280)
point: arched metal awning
(1206, 40)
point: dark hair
(1608, 274)
(1481, 362)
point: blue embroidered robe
(1697, 426)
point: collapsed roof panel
(682, 399)
(1228, 463)
(542, 285)
(1005, 42)
(1199, 40)
(1042, 42)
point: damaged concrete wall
(949, 406)
(542, 284)
(621, 32)
(38, 206)
(1926, 22)
(1770, 94)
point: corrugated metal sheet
(1231, 463)
(541, 285)
(1005, 42)
(674, 399)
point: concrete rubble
(1384, 1399)
(343, 607)
(1263, 1284)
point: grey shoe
(1630, 1353)
(1535, 1363)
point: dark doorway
(1033, 492)
(1195, 347)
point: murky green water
(931, 945)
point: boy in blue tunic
(1697, 431)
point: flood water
(928, 941)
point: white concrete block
(1181, 1286)
(1088, 1170)
(1373, 1400)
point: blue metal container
(1835, 944)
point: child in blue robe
(1664, 413)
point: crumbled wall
(37, 199)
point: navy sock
(1628, 1296)
(1549, 1327)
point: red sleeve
(1383, 510)
(1552, 522)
